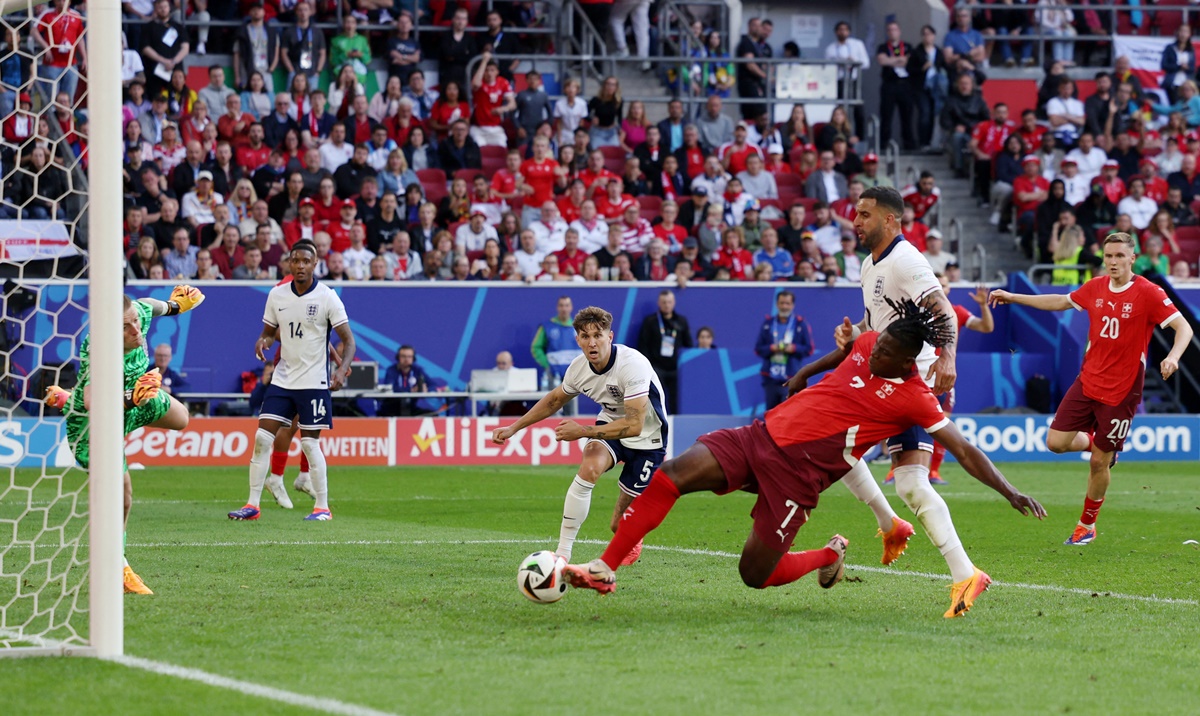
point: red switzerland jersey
(963, 316)
(252, 159)
(1022, 185)
(1033, 140)
(487, 98)
(737, 157)
(540, 176)
(504, 182)
(694, 166)
(844, 208)
(61, 31)
(567, 209)
(851, 402)
(589, 177)
(921, 203)
(1156, 189)
(1114, 190)
(571, 265)
(989, 136)
(612, 210)
(1120, 324)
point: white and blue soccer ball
(540, 577)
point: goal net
(59, 524)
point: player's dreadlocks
(917, 325)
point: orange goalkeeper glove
(146, 388)
(56, 397)
(186, 297)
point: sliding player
(145, 404)
(1096, 413)
(804, 446)
(300, 314)
(631, 429)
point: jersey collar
(888, 250)
(311, 288)
(612, 358)
(1122, 289)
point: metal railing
(891, 162)
(981, 260)
(589, 46)
(1037, 269)
(1036, 35)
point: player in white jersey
(300, 314)
(631, 427)
(895, 270)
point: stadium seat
(789, 195)
(474, 256)
(614, 159)
(431, 175)
(790, 180)
(435, 191)
(467, 175)
(491, 165)
(777, 223)
(816, 130)
(1168, 21)
(764, 203)
(650, 202)
(650, 214)
(493, 152)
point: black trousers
(775, 391)
(896, 95)
(670, 384)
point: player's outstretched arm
(1042, 302)
(550, 404)
(183, 299)
(984, 322)
(829, 361)
(338, 379)
(981, 468)
(266, 339)
(945, 367)
(1183, 338)
(626, 427)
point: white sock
(305, 477)
(912, 484)
(316, 465)
(862, 484)
(575, 511)
(260, 464)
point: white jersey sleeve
(270, 317)
(335, 310)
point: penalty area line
(1150, 599)
(316, 703)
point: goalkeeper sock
(259, 464)
(862, 484)
(316, 462)
(575, 511)
(278, 463)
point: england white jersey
(901, 273)
(628, 375)
(305, 322)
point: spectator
(1096, 213)
(169, 153)
(826, 185)
(571, 258)
(499, 42)
(651, 153)
(778, 259)
(938, 259)
(357, 258)
(653, 264)
(1095, 107)
(1123, 74)
(350, 48)
(1075, 190)
(612, 203)
(549, 230)
(733, 256)
(661, 337)
(713, 73)
(403, 263)
(240, 200)
(851, 49)
(592, 229)
(456, 206)
(605, 111)
(1126, 156)
(870, 176)
(1187, 102)
(493, 98)
(784, 341)
(1186, 179)
(1181, 272)
(733, 154)
(303, 48)
(987, 139)
(194, 125)
(133, 70)
(965, 42)
(456, 50)
(198, 204)
(850, 259)
(690, 256)
(255, 49)
(569, 112)
(1140, 208)
(796, 132)
(1068, 251)
(752, 76)
(138, 266)
(251, 268)
(1088, 157)
(845, 161)
(215, 92)
(1171, 159)
(928, 83)
(1066, 114)
(166, 46)
(426, 102)
(459, 151)
(234, 125)
(179, 261)
(1181, 214)
(838, 127)
(896, 93)
(608, 254)
(404, 52)
(705, 338)
(1162, 227)
(1113, 187)
(1054, 211)
(671, 129)
(1152, 260)
(230, 252)
(151, 122)
(1029, 190)
(634, 179)
(473, 235)
(1178, 62)
(348, 178)
(965, 107)
(255, 154)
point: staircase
(958, 205)
(636, 84)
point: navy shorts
(915, 438)
(313, 407)
(638, 465)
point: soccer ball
(540, 577)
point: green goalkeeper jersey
(136, 361)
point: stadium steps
(1158, 398)
(957, 203)
(636, 84)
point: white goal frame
(106, 615)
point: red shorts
(788, 485)
(1109, 423)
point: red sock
(939, 454)
(795, 565)
(303, 462)
(1091, 510)
(1091, 442)
(278, 462)
(641, 517)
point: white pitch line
(660, 548)
(316, 703)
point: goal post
(61, 528)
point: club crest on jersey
(1099, 303)
(1126, 308)
(859, 359)
(614, 391)
(311, 310)
(885, 390)
(879, 287)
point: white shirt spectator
(192, 208)
(828, 237)
(465, 239)
(569, 118)
(852, 49)
(1067, 131)
(714, 185)
(358, 263)
(831, 190)
(939, 261)
(1090, 164)
(1076, 189)
(530, 265)
(1141, 211)
(404, 267)
(593, 238)
(550, 237)
(333, 157)
(760, 187)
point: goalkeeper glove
(186, 298)
(146, 388)
(56, 397)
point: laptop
(364, 375)
(515, 380)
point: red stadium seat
(782, 180)
(650, 202)
(789, 195)
(816, 130)
(764, 203)
(491, 165)
(650, 214)
(435, 191)
(468, 175)
(431, 175)
(614, 159)
(1168, 21)
(474, 256)
(493, 151)
(777, 223)
(807, 203)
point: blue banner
(29, 442)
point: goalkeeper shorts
(136, 417)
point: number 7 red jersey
(853, 403)
(1120, 324)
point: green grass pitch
(407, 603)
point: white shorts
(489, 136)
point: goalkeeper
(145, 404)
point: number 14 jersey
(304, 322)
